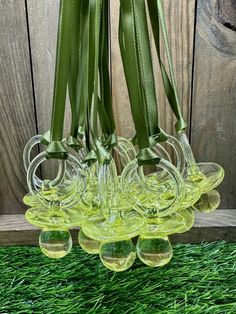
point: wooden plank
(43, 17)
(17, 114)
(214, 111)
(180, 21)
(206, 234)
(216, 226)
(220, 225)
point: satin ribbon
(139, 78)
(77, 80)
(102, 155)
(105, 110)
(157, 17)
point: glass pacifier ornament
(44, 211)
(34, 141)
(206, 175)
(99, 223)
(158, 203)
(192, 190)
(115, 223)
(95, 181)
(54, 209)
(160, 190)
(107, 217)
(34, 201)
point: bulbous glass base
(154, 252)
(118, 256)
(89, 245)
(55, 243)
(208, 202)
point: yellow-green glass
(208, 175)
(118, 256)
(162, 226)
(188, 217)
(153, 192)
(55, 217)
(89, 245)
(154, 252)
(192, 194)
(164, 197)
(31, 200)
(113, 219)
(208, 202)
(55, 243)
(120, 225)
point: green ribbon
(93, 101)
(73, 75)
(146, 156)
(129, 40)
(75, 143)
(130, 37)
(78, 74)
(145, 67)
(156, 134)
(105, 110)
(157, 17)
(55, 148)
(46, 138)
(105, 104)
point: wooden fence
(203, 38)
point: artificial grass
(200, 279)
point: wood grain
(43, 17)
(214, 97)
(220, 225)
(216, 226)
(17, 116)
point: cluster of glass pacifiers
(147, 203)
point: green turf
(200, 279)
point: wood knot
(226, 13)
